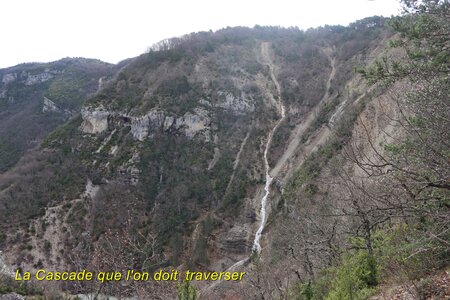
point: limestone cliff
(35, 98)
(94, 121)
(190, 124)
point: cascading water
(262, 214)
(256, 244)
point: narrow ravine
(301, 128)
(236, 161)
(266, 59)
(265, 52)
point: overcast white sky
(112, 30)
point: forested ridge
(164, 159)
(400, 199)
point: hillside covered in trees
(315, 161)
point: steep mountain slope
(36, 98)
(193, 149)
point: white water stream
(262, 214)
(256, 243)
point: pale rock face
(168, 122)
(94, 121)
(4, 268)
(139, 127)
(10, 77)
(114, 150)
(142, 126)
(204, 102)
(134, 172)
(49, 105)
(156, 119)
(3, 94)
(38, 78)
(236, 105)
(193, 123)
(190, 123)
(91, 190)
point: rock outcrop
(190, 124)
(193, 123)
(237, 240)
(28, 78)
(4, 268)
(9, 77)
(142, 126)
(50, 106)
(11, 296)
(234, 104)
(38, 78)
(94, 121)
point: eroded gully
(265, 53)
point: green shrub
(2, 237)
(306, 291)
(355, 277)
(9, 285)
(185, 291)
(47, 246)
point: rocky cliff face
(49, 106)
(94, 121)
(190, 124)
(236, 105)
(9, 77)
(31, 78)
(47, 94)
